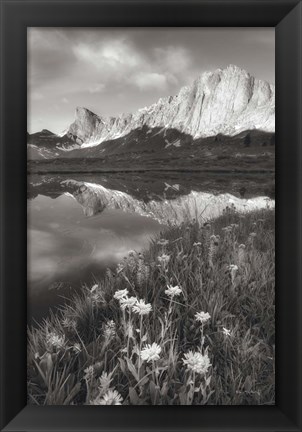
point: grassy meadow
(190, 321)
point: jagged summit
(225, 101)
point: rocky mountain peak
(225, 101)
(84, 125)
(82, 114)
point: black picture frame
(16, 16)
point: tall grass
(189, 321)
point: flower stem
(140, 344)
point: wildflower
(164, 259)
(120, 294)
(202, 317)
(69, 323)
(128, 302)
(233, 269)
(196, 244)
(76, 348)
(53, 340)
(197, 362)
(173, 291)
(112, 397)
(109, 329)
(226, 332)
(142, 308)
(94, 288)
(253, 234)
(241, 246)
(89, 373)
(105, 381)
(151, 352)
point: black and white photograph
(151, 216)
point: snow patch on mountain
(175, 143)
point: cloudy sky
(111, 71)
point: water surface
(78, 226)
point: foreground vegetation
(189, 321)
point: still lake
(81, 224)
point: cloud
(173, 58)
(110, 56)
(150, 80)
(70, 59)
(97, 88)
(49, 56)
(65, 100)
(118, 60)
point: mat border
(16, 16)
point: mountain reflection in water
(78, 227)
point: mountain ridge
(225, 101)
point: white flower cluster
(151, 352)
(173, 291)
(197, 362)
(54, 341)
(132, 303)
(111, 397)
(202, 317)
